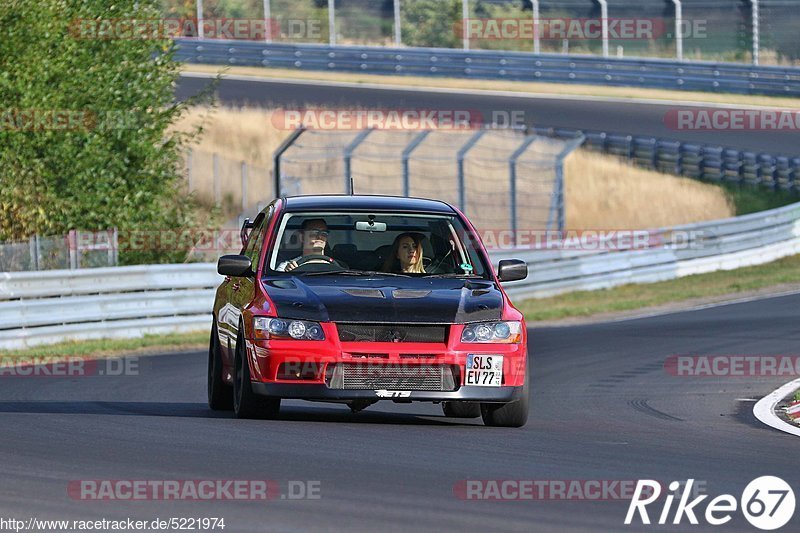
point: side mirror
(238, 266)
(512, 270)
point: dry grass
(602, 192)
(538, 88)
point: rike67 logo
(767, 503)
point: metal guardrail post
(678, 29)
(462, 154)
(276, 157)
(416, 141)
(756, 31)
(512, 176)
(348, 156)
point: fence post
(332, 22)
(465, 23)
(557, 202)
(512, 167)
(200, 31)
(416, 141)
(217, 187)
(536, 36)
(115, 247)
(462, 154)
(756, 31)
(72, 244)
(398, 29)
(678, 29)
(32, 250)
(244, 186)
(267, 21)
(189, 177)
(604, 24)
(276, 157)
(348, 155)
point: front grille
(393, 377)
(392, 332)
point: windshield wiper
(354, 273)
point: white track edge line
(764, 410)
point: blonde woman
(406, 255)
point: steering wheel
(319, 259)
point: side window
(256, 240)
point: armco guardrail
(717, 164)
(50, 306)
(45, 307)
(488, 64)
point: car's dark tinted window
(349, 241)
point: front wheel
(247, 404)
(513, 414)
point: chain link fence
(78, 249)
(502, 179)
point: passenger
(406, 255)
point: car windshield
(413, 245)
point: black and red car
(358, 299)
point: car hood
(385, 299)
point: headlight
(281, 328)
(505, 332)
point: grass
(749, 199)
(111, 347)
(633, 296)
(537, 88)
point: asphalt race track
(604, 408)
(623, 117)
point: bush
(83, 124)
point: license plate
(484, 370)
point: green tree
(84, 117)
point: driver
(315, 237)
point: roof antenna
(352, 186)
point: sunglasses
(317, 233)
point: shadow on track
(200, 410)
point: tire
(220, 394)
(461, 409)
(247, 404)
(513, 414)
